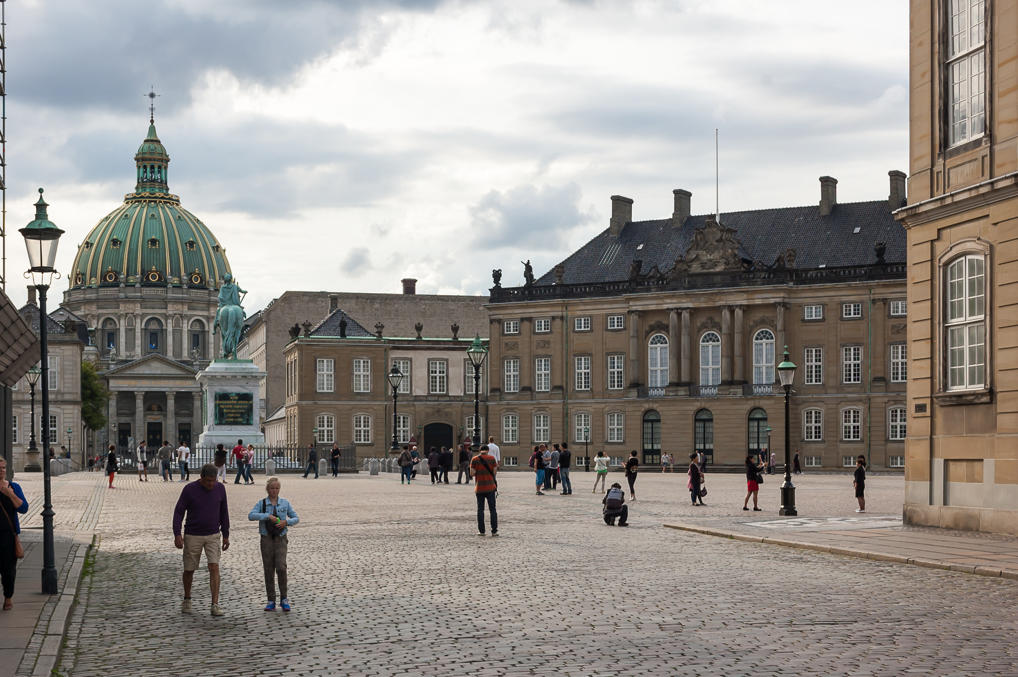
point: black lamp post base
(788, 502)
(49, 582)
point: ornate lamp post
(395, 378)
(41, 239)
(586, 447)
(33, 378)
(477, 354)
(69, 431)
(786, 372)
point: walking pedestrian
(416, 456)
(565, 462)
(434, 464)
(111, 464)
(494, 451)
(666, 461)
(553, 466)
(91, 463)
(249, 455)
(695, 480)
(600, 471)
(406, 466)
(537, 464)
(771, 461)
(141, 455)
(445, 459)
(275, 516)
(219, 460)
(312, 460)
(207, 529)
(464, 464)
(238, 452)
(632, 468)
(614, 503)
(184, 461)
(753, 480)
(796, 468)
(12, 502)
(334, 454)
(166, 461)
(483, 469)
(859, 482)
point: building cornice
(978, 196)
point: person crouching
(614, 502)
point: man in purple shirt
(204, 502)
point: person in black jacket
(434, 464)
(859, 481)
(464, 464)
(565, 461)
(695, 480)
(111, 464)
(312, 461)
(334, 459)
(445, 458)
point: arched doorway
(703, 434)
(436, 435)
(651, 438)
(758, 431)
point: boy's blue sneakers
(271, 606)
(285, 603)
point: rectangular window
(510, 429)
(582, 364)
(616, 321)
(813, 425)
(813, 311)
(511, 327)
(616, 371)
(361, 375)
(898, 308)
(438, 381)
(851, 364)
(326, 425)
(966, 323)
(581, 427)
(512, 375)
(616, 426)
(966, 71)
(581, 324)
(851, 425)
(542, 325)
(542, 428)
(896, 424)
(325, 370)
(510, 461)
(899, 363)
(814, 462)
(470, 427)
(403, 365)
(402, 428)
(580, 461)
(814, 366)
(848, 461)
(468, 377)
(54, 372)
(851, 311)
(362, 429)
(542, 374)
(53, 439)
(895, 461)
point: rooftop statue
(230, 316)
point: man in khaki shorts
(204, 502)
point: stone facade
(962, 222)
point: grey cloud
(356, 260)
(527, 215)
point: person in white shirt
(183, 458)
(493, 450)
(141, 455)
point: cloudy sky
(343, 145)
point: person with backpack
(275, 516)
(632, 468)
(695, 480)
(483, 469)
(249, 455)
(565, 461)
(406, 465)
(614, 502)
(537, 463)
(600, 470)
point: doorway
(651, 438)
(154, 434)
(123, 437)
(436, 435)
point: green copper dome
(150, 240)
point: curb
(846, 552)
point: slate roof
(30, 313)
(330, 326)
(764, 234)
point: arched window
(703, 433)
(710, 359)
(966, 323)
(196, 340)
(657, 361)
(108, 336)
(153, 339)
(758, 431)
(763, 357)
(326, 424)
(651, 437)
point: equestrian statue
(230, 316)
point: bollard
(373, 466)
(270, 467)
(323, 466)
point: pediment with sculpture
(714, 249)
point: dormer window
(87, 245)
(115, 243)
(153, 275)
(153, 243)
(109, 276)
(189, 245)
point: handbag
(19, 551)
(759, 478)
(703, 491)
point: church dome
(150, 240)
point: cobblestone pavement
(389, 579)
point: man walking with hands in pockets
(204, 503)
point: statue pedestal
(230, 399)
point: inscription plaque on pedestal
(234, 408)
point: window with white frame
(468, 377)
(582, 371)
(966, 70)
(657, 361)
(510, 327)
(851, 364)
(763, 357)
(325, 371)
(438, 377)
(616, 426)
(510, 429)
(361, 375)
(616, 321)
(616, 371)
(899, 363)
(402, 428)
(581, 323)
(710, 359)
(896, 461)
(813, 371)
(813, 425)
(848, 461)
(511, 383)
(851, 311)
(326, 425)
(896, 424)
(581, 427)
(814, 461)
(851, 424)
(813, 311)
(53, 438)
(362, 429)
(403, 364)
(542, 325)
(54, 372)
(542, 428)
(510, 461)
(966, 323)
(542, 374)
(469, 427)
(898, 308)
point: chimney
(828, 194)
(333, 303)
(31, 296)
(897, 196)
(681, 212)
(409, 286)
(622, 213)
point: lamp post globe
(395, 378)
(41, 239)
(33, 379)
(477, 354)
(786, 374)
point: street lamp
(395, 378)
(33, 378)
(586, 447)
(69, 431)
(477, 354)
(786, 373)
(41, 239)
(768, 430)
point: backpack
(533, 459)
(614, 499)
